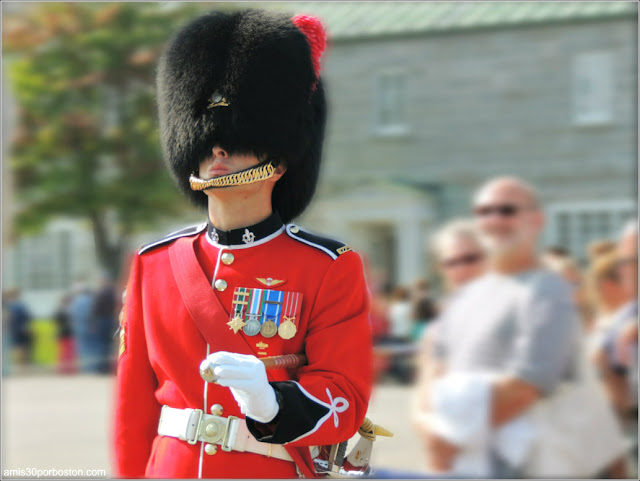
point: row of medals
(269, 328)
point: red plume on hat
(314, 31)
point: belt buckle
(212, 429)
(197, 429)
(225, 439)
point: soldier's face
(222, 163)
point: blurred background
(427, 101)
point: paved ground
(62, 423)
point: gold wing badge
(269, 281)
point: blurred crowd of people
(527, 362)
(17, 334)
(85, 324)
(403, 314)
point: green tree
(87, 142)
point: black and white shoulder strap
(329, 246)
(185, 232)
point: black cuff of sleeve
(298, 415)
(262, 430)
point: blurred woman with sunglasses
(459, 254)
(608, 296)
(604, 288)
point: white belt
(231, 433)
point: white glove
(246, 376)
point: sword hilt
(285, 361)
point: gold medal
(287, 330)
(269, 329)
(236, 324)
(288, 325)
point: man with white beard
(517, 321)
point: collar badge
(248, 237)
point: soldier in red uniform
(242, 115)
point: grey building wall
(485, 103)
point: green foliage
(87, 141)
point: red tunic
(325, 401)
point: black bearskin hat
(266, 67)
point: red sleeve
(329, 401)
(136, 411)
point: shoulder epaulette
(186, 232)
(331, 247)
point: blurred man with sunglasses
(517, 321)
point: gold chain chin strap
(239, 178)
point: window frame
(598, 67)
(621, 209)
(399, 128)
(33, 275)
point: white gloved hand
(246, 376)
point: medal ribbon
(255, 304)
(241, 296)
(291, 310)
(273, 306)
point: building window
(389, 104)
(593, 88)
(43, 262)
(575, 225)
